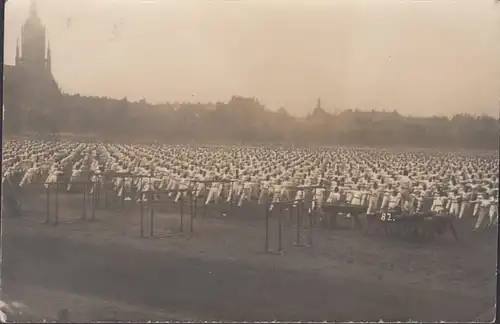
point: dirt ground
(104, 270)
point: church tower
(32, 96)
(33, 40)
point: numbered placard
(386, 217)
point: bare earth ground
(103, 270)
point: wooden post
(56, 222)
(231, 203)
(85, 188)
(193, 213)
(123, 194)
(96, 193)
(181, 226)
(298, 224)
(93, 200)
(195, 206)
(280, 228)
(267, 226)
(311, 223)
(142, 217)
(105, 195)
(47, 214)
(151, 212)
(205, 207)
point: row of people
(377, 179)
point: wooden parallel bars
(152, 203)
(49, 188)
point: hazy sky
(419, 57)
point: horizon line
(338, 110)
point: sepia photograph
(250, 161)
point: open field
(103, 270)
(242, 182)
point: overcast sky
(419, 57)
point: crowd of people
(451, 183)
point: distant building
(30, 90)
(319, 113)
(33, 100)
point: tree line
(246, 120)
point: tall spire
(49, 63)
(33, 17)
(18, 56)
(33, 7)
(318, 104)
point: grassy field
(104, 270)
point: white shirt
(405, 182)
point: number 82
(386, 217)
